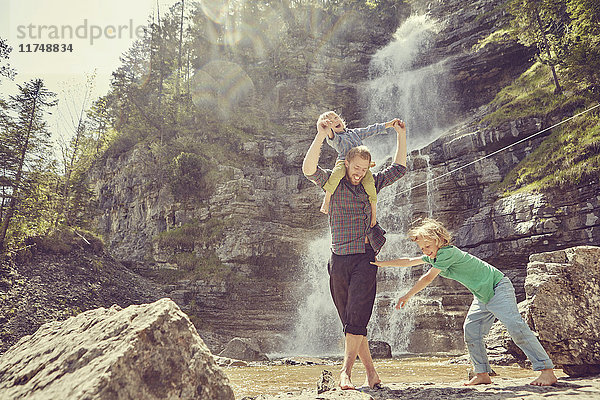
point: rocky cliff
(55, 279)
(267, 211)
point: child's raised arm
(421, 284)
(400, 262)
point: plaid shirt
(350, 211)
(342, 142)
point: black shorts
(353, 285)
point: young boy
(494, 297)
(342, 140)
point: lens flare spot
(220, 83)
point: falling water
(318, 329)
(398, 87)
(401, 87)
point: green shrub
(189, 177)
(188, 235)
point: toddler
(342, 140)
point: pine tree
(5, 69)
(27, 143)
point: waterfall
(318, 328)
(398, 87)
(401, 86)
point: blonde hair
(330, 113)
(430, 229)
(359, 151)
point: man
(352, 277)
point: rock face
(150, 351)
(563, 306)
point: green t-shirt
(477, 275)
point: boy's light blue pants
(503, 306)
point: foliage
(582, 46)
(530, 95)
(65, 239)
(192, 245)
(189, 176)
(187, 236)
(5, 69)
(564, 32)
(26, 150)
(569, 156)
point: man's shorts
(353, 285)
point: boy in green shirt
(494, 297)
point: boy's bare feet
(546, 378)
(479, 379)
(345, 382)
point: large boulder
(563, 307)
(243, 349)
(380, 349)
(149, 351)
(564, 289)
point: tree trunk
(13, 200)
(557, 88)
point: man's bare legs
(479, 379)
(364, 354)
(352, 346)
(357, 345)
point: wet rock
(243, 349)
(150, 351)
(380, 349)
(229, 362)
(325, 382)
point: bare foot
(372, 381)
(345, 382)
(325, 205)
(479, 379)
(546, 378)
(373, 215)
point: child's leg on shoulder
(504, 307)
(338, 172)
(368, 183)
